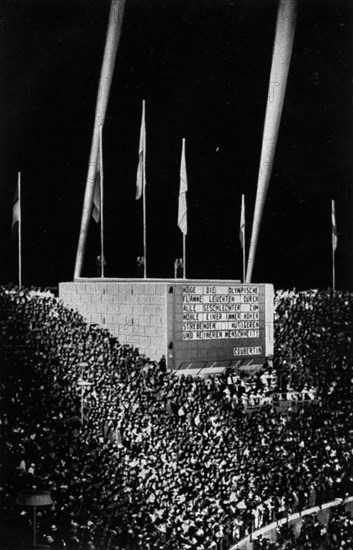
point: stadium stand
(161, 462)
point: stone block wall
(133, 311)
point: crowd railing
(322, 513)
(287, 399)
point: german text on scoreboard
(221, 321)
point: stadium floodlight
(33, 499)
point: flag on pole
(16, 219)
(96, 206)
(242, 223)
(96, 200)
(141, 169)
(182, 211)
(334, 227)
(16, 209)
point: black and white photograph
(176, 274)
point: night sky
(203, 68)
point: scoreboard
(221, 322)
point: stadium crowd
(168, 462)
(313, 535)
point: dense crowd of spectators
(167, 462)
(337, 534)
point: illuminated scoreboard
(221, 322)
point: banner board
(219, 322)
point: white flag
(16, 209)
(334, 227)
(141, 169)
(182, 211)
(96, 199)
(242, 223)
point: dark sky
(203, 68)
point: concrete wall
(133, 311)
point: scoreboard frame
(209, 323)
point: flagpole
(101, 197)
(242, 233)
(333, 269)
(333, 242)
(184, 256)
(144, 237)
(144, 197)
(244, 263)
(19, 232)
(144, 231)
